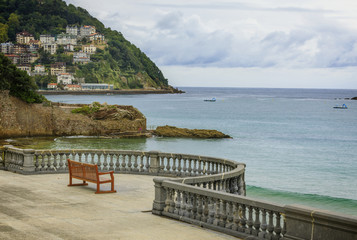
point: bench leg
(77, 184)
(111, 191)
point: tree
(3, 32)
(14, 26)
(18, 82)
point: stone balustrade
(208, 192)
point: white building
(65, 78)
(72, 30)
(39, 70)
(50, 47)
(47, 39)
(97, 86)
(7, 48)
(89, 49)
(86, 31)
(26, 68)
(81, 57)
(64, 39)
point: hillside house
(97, 38)
(7, 48)
(97, 86)
(15, 59)
(24, 37)
(39, 70)
(27, 58)
(81, 58)
(34, 45)
(50, 47)
(68, 48)
(86, 31)
(89, 49)
(52, 86)
(64, 39)
(19, 49)
(47, 39)
(72, 87)
(72, 30)
(57, 68)
(26, 68)
(65, 78)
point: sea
(298, 148)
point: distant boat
(341, 107)
(210, 100)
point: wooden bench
(89, 172)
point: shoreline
(110, 92)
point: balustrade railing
(209, 192)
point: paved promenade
(43, 207)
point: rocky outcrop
(19, 119)
(354, 98)
(170, 131)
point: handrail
(209, 192)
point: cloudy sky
(241, 43)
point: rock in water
(170, 131)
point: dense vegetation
(120, 63)
(18, 82)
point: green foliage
(87, 110)
(18, 82)
(3, 32)
(120, 60)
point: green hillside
(119, 62)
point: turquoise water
(297, 147)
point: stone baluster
(264, 225)
(243, 218)
(135, 169)
(257, 222)
(277, 228)
(128, 162)
(111, 162)
(241, 185)
(199, 208)
(205, 212)
(270, 233)
(49, 162)
(189, 167)
(230, 218)
(249, 230)
(105, 162)
(99, 161)
(147, 164)
(217, 214)
(117, 162)
(92, 158)
(183, 204)
(236, 217)
(168, 164)
(194, 205)
(223, 215)
(284, 225)
(200, 171)
(121, 162)
(61, 162)
(55, 163)
(160, 197)
(189, 206)
(195, 167)
(79, 157)
(178, 203)
(37, 163)
(212, 211)
(141, 165)
(86, 157)
(184, 167)
(179, 166)
(174, 160)
(168, 202)
(42, 165)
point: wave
(342, 205)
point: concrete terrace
(43, 207)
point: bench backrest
(83, 170)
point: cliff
(20, 119)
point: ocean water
(297, 147)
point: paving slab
(43, 207)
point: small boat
(341, 107)
(210, 100)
